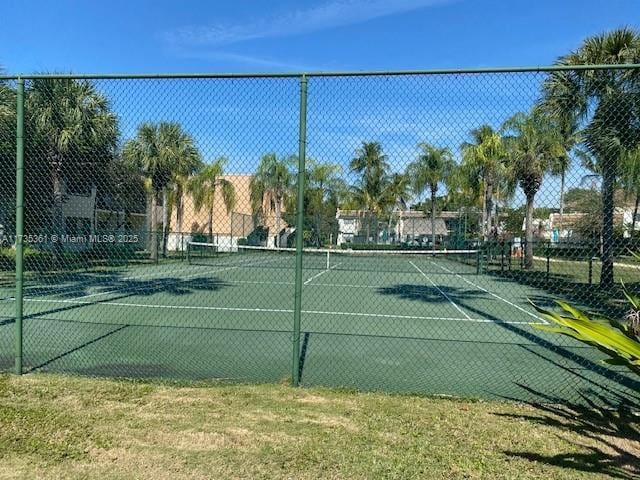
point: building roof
(420, 214)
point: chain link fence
(371, 231)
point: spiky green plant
(618, 339)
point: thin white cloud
(330, 14)
(202, 54)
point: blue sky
(244, 119)
(127, 36)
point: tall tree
(605, 102)
(397, 192)
(483, 161)
(73, 132)
(430, 169)
(324, 188)
(371, 191)
(182, 175)
(156, 151)
(269, 189)
(533, 145)
(7, 155)
(203, 188)
(630, 180)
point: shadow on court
(53, 346)
(468, 300)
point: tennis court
(399, 321)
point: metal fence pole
(297, 310)
(19, 221)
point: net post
(328, 260)
(297, 310)
(19, 225)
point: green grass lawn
(69, 427)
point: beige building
(227, 226)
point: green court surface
(414, 324)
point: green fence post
(297, 309)
(19, 221)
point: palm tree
(483, 161)
(156, 151)
(7, 154)
(397, 191)
(431, 168)
(270, 187)
(182, 176)
(324, 187)
(630, 179)
(604, 101)
(73, 130)
(372, 165)
(203, 188)
(533, 145)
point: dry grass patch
(68, 427)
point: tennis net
(410, 261)
(381, 261)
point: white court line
(494, 295)
(133, 277)
(270, 310)
(204, 276)
(321, 273)
(438, 288)
(159, 274)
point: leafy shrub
(618, 339)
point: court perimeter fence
(370, 230)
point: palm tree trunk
(210, 220)
(489, 210)
(153, 247)
(484, 214)
(528, 253)
(318, 233)
(562, 179)
(608, 183)
(278, 207)
(147, 226)
(165, 221)
(635, 214)
(433, 219)
(179, 214)
(57, 218)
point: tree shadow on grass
(605, 416)
(608, 427)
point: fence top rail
(450, 71)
